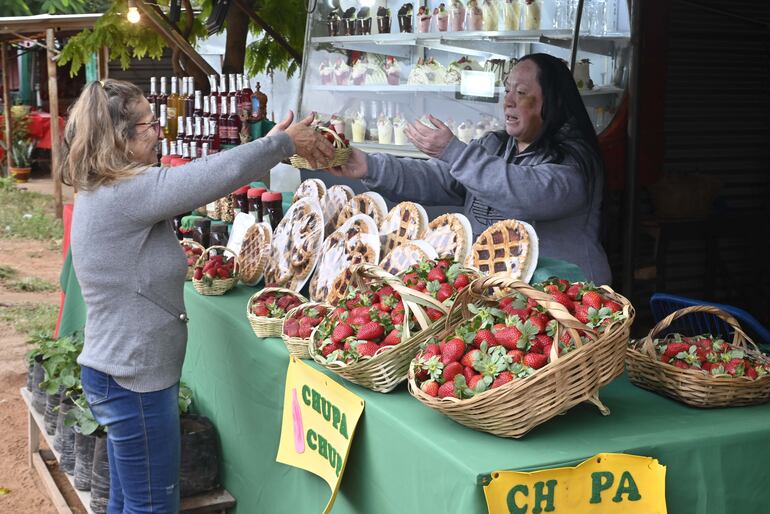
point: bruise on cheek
(528, 101)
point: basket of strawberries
(266, 309)
(216, 271)
(515, 342)
(341, 151)
(371, 336)
(702, 371)
(192, 252)
(298, 325)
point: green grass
(29, 318)
(28, 215)
(32, 285)
(7, 272)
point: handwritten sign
(319, 420)
(609, 483)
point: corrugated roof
(9, 26)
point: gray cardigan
(558, 190)
(131, 268)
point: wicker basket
(218, 286)
(695, 387)
(389, 367)
(191, 243)
(560, 385)
(262, 325)
(297, 346)
(341, 154)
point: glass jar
(255, 202)
(272, 204)
(241, 200)
(201, 232)
(218, 236)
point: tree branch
(270, 31)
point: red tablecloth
(39, 128)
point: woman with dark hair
(544, 168)
(131, 271)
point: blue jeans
(143, 444)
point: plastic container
(254, 197)
(272, 204)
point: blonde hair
(101, 123)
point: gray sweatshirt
(557, 190)
(131, 268)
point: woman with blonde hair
(131, 270)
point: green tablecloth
(408, 458)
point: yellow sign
(609, 483)
(319, 420)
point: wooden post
(53, 100)
(103, 63)
(6, 106)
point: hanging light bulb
(133, 13)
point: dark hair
(561, 101)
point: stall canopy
(39, 28)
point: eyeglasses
(153, 123)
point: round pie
(508, 246)
(371, 204)
(406, 255)
(451, 236)
(332, 204)
(405, 222)
(255, 252)
(296, 246)
(312, 188)
(353, 243)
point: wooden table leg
(33, 438)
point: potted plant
(21, 158)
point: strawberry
(551, 289)
(291, 327)
(750, 371)
(451, 370)
(461, 281)
(468, 373)
(581, 313)
(198, 274)
(508, 337)
(542, 342)
(370, 331)
(452, 351)
(430, 388)
(485, 335)
(535, 360)
(565, 300)
(434, 314)
(341, 332)
(516, 355)
(592, 299)
(367, 349)
(329, 348)
(573, 291)
(447, 390)
(503, 378)
(431, 351)
(540, 321)
(304, 332)
(338, 312)
(259, 309)
(474, 380)
(445, 292)
(681, 364)
(393, 338)
(437, 274)
(675, 348)
(613, 306)
(469, 357)
(506, 301)
(283, 301)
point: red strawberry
(431, 351)
(506, 301)
(592, 299)
(283, 302)
(393, 338)
(339, 311)
(445, 292)
(469, 357)
(542, 341)
(452, 351)
(446, 390)
(367, 349)
(198, 274)
(437, 274)
(291, 327)
(613, 306)
(551, 289)
(573, 291)
(516, 355)
(259, 309)
(750, 371)
(535, 360)
(540, 321)
(581, 313)
(341, 332)
(474, 380)
(304, 332)
(681, 364)
(503, 378)
(329, 348)
(410, 279)
(674, 348)
(434, 314)
(370, 331)
(468, 373)
(565, 300)
(430, 388)
(451, 370)
(508, 337)
(485, 335)
(461, 281)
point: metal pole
(53, 100)
(576, 35)
(6, 107)
(632, 167)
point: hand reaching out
(431, 142)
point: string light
(133, 13)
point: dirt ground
(27, 494)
